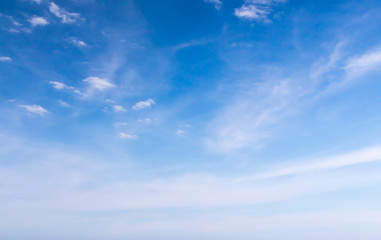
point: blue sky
(190, 119)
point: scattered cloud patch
(63, 103)
(217, 3)
(118, 108)
(119, 124)
(65, 16)
(179, 132)
(100, 84)
(77, 42)
(59, 85)
(145, 120)
(5, 59)
(123, 135)
(256, 9)
(38, 21)
(62, 86)
(143, 104)
(35, 109)
(12, 25)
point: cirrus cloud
(35, 109)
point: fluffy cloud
(256, 9)
(143, 104)
(36, 109)
(38, 21)
(5, 59)
(65, 16)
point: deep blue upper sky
(190, 119)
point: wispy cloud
(360, 65)
(14, 26)
(145, 120)
(245, 120)
(38, 21)
(217, 3)
(65, 16)
(77, 42)
(124, 135)
(63, 86)
(256, 9)
(64, 104)
(187, 190)
(180, 132)
(36, 109)
(120, 124)
(5, 59)
(118, 108)
(97, 84)
(143, 104)
(367, 155)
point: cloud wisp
(124, 135)
(35, 109)
(258, 10)
(5, 59)
(118, 108)
(65, 16)
(217, 3)
(97, 84)
(77, 42)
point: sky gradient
(190, 119)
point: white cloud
(59, 85)
(217, 3)
(145, 120)
(78, 43)
(256, 9)
(38, 21)
(123, 135)
(246, 120)
(5, 59)
(100, 84)
(36, 1)
(143, 104)
(65, 16)
(369, 61)
(63, 103)
(63, 86)
(119, 124)
(204, 203)
(367, 155)
(179, 132)
(118, 108)
(36, 109)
